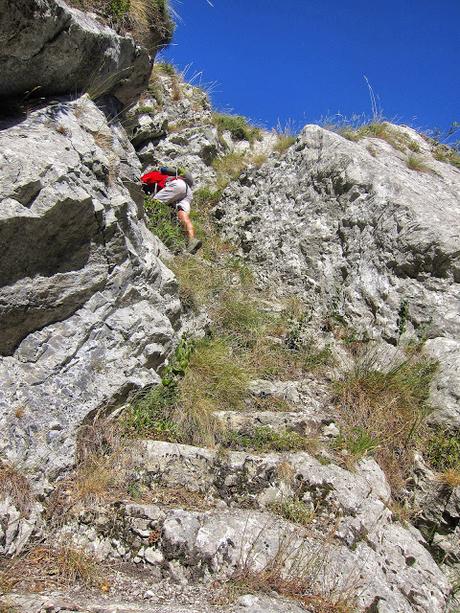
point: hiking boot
(194, 245)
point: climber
(174, 187)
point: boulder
(87, 309)
(49, 49)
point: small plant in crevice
(152, 413)
(441, 450)
(358, 443)
(56, 565)
(403, 317)
(229, 167)
(265, 439)
(238, 126)
(414, 162)
(15, 485)
(293, 571)
(294, 509)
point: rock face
(349, 227)
(48, 49)
(87, 309)
(353, 542)
(173, 124)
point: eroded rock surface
(349, 227)
(48, 48)
(87, 309)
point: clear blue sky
(299, 60)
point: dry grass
(104, 140)
(378, 129)
(214, 381)
(414, 162)
(52, 566)
(383, 412)
(294, 510)
(104, 473)
(295, 573)
(149, 21)
(178, 498)
(283, 142)
(199, 281)
(15, 485)
(229, 167)
(450, 478)
(444, 153)
(258, 159)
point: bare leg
(186, 223)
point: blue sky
(297, 61)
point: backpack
(178, 172)
(153, 181)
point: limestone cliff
(359, 233)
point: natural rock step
(240, 478)
(310, 395)
(278, 421)
(383, 562)
(34, 603)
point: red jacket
(156, 178)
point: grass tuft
(228, 168)
(15, 485)
(283, 142)
(238, 126)
(450, 478)
(294, 510)
(383, 412)
(444, 153)
(264, 439)
(442, 450)
(181, 408)
(414, 162)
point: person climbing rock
(174, 187)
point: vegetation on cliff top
(149, 21)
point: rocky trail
(271, 425)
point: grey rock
(153, 556)
(88, 312)
(49, 49)
(358, 234)
(17, 527)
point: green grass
(145, 110)
(163, 223)
(358, 442)
(444, 153)
(119, 8)
(206, 198)
(203, 377)
(283, 142)
(199, 281)
(239, 317)
(294, 510)
(138, 17)
(238, 126)
(442, 450)
(166, 68)
(264, 439)
(228, 168)
(377, 129)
